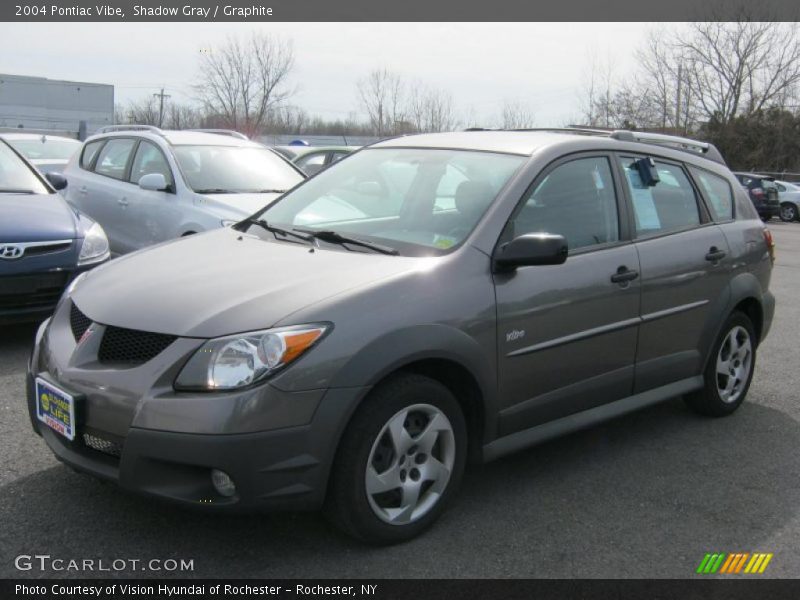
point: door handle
(715, 254)
(123, 201)
(83, 190)
(624, 275)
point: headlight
(237, 361)
(95, 246)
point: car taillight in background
(770, 244)
(757, 192)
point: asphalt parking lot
(646, 495)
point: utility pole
(678, 98)
(161, 96)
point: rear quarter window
(717, 191)
(89, 152)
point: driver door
(567, 333)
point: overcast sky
(482, 64)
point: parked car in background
(355, 363)
(48, 153)
(789, 198)
(145, 185)
(763, 194)
(44, 242)
(313, 159)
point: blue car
(44, 241)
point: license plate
(55, 408)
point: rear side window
(670, 205)
(113, 158)
(89, 152)
(576, 200)
(718, 192)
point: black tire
(708, 401)
(788, 212)
(347, 503)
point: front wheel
(729, 371)
(400, 461)
(788, 212)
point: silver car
(789, 197)
(48, 153)
(146, 186)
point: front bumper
(165, 444)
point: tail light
(770, 241)
(757, 192)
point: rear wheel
(401, 459)
(729, 371)
(788, 212)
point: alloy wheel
(788, 212)
(734, 361)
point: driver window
(149, 159)
(576, 200)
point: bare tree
(244, 80)
(382, 94)
(516, 115)
(739, 68)
(182, 116)
(140, 112)
(430, 109)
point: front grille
(131, 346)
(31, 291)
(102, 445)
(78, 322)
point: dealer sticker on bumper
(55, 408)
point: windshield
(420, 201)
(234, 169)
(46, 148)
(16, 176)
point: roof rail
(129, 127)
(705, 149)
(228, 132)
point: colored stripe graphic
(735, 562)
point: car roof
(509, 142)
(754, 175)
(37, 136)
(182, 138)
(526, 142)
(298, 151)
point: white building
(53, 105)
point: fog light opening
(223, 483)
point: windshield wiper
(13, 191)
(337, 238)
(273, 229)
(216, 191)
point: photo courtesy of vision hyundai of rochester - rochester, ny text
(429, 301)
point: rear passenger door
(684, 259)
(106, 199)
(567, 333)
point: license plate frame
(56, 408)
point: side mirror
(154, 182)
(57, 180)
(531, 249)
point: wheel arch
(443, 353)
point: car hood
(35, 218)
(49, 165)
(246, 203)
(224, 282)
